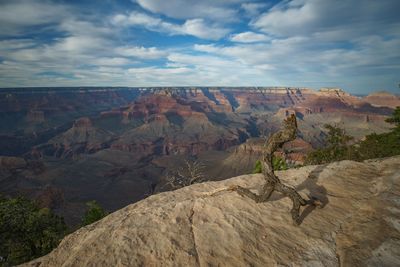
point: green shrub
(94, 213)
(27, 231)
(373, 146)
(278, 164)
(257, 167)
(380, 145)
(395, 118)
(336, 147)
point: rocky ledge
(206, 225)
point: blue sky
(307, 43)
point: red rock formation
(297, 145)
(83, 137)
(383, 99)
(51, 197)
(84, 122)
(262, 98)
(35, 116)
(161, 122)
(111, 113)
(251, 146)
(149, 105)
(12, 163)
(295, 158)
(293, 152)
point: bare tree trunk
(272, 182)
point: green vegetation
(337, 147)
(257, 167)
(278, 164)
(27, 231)
(94, 213)
(373, 146)
(395, 119)
(382, 145)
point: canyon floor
(206, 225)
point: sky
(351, 44)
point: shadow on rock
(317, 193)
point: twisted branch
(272, 182)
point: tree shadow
(316, 193)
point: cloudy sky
(309, 43)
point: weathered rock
(51, 197)
(35, 116)
(205, 225)
(383, 99)
(12, 163)
(82, 137)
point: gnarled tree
(272, 182)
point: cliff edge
(199, 225)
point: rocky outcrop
(12, 163)
(384, 99)
(206, 225)
(248, 153)
(50, 197)
(174, 146)
(83, 137)
(36, 116)
(251, 146)
(179, 122)
(193, 103)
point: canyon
(67, 146)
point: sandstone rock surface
(204, 225)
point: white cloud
(287, 21)
(195, 70)
(111, 61)
(73, 26)
(136, 18)
(198, 28)
(16, 15)
(151, 71)
(141, 52)
(224, 10)
(347, 19)
(298, 42)
(80, 44)
(209, 48)
(249, 37)
(13, 44)
(194, 27)
(298, 61)
(253, 9)
(200, 60)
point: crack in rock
(195, 252)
